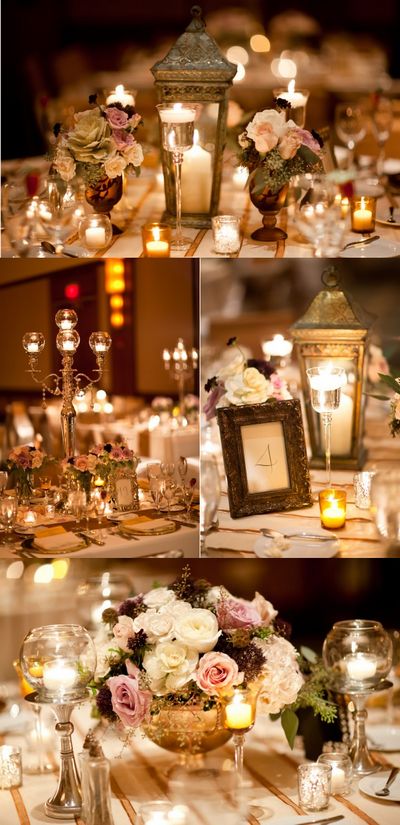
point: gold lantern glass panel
(333, 332)
(195, 71)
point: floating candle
(360, 666)
(59, 675)
(120, 95)
(95, 237)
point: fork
(362, 241)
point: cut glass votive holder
(314, 786)
(10, 767)
(342, 770)
(226, 234)
(362, 489)
(332, 506)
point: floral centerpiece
(80, 469)
(22, 461)
(378, 362)
(243, 381)
(274, 150)
(183, 648)
(102, 460)
(99, 147)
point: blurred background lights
(15, 570)
(283, 67)
(259, 43)
(237, 54)
(240, 74)
(60, 568)
(44, 574)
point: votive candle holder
(156, 240)
(363, 211)
(314, 786)
(332, 506)
(10, 767)
(342, 770)
(362, 489)
(226, 234)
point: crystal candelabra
(182, 366)
(58, 662)
(68, 383)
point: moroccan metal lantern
(332, 333)
(195, 71)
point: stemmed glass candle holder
(177, 130)
(298, 102)
(358, 654)
(325, 384)
(59, 661)
(239, 711)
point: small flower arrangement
(101, 142)
(21, 462)
(189, 645)
(113, 455)
(243, 381)
(393, 382)
(81, 468)
(274, 149)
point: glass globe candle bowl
(58, 661)
(359, 654)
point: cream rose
(175, 608)
(114, 166)
(266, 128)
(249, 388)
(233, 367)
(123, 630)
(65, 166)
(289, 144)
(158, 597)
(264, 608)
(157, 626)
(170, 666)
(90, 140)
(134, 154)
(198, 629)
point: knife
(183, 523)
(326, 821)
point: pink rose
(127, 453)
(264, 608)
(122, 139)
(116, 118)
(217, 672)
(116, 454)
(234, 613)
(123, 630)
(129, 702)
(289, 144)
(81, 463)
(279, 388)
(307, 139)
(23, 461)
(264, 137)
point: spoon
(49, 247)
(385, 790)
(277, 534)
(362, 241)
(391, 219)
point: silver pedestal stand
(363, 763)
(66, 802)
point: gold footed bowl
(187, 730)
(269, 205)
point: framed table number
(124, 489)
(265, 457)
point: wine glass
(210, 492)
(350, 126)
(168, 489)
(156, 492)
(77, 501)
(177, 130)
(21, 232)
(8, 514)
(325, 384)
(182, 468)
(153, 471)
(3, 481)
(167, 468)
(382, 122)
(321, 221)
(56, 213)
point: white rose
(158, 597)
(65, 166)
(134, 154)
(103, 653)
(198, 630)
(170, 666)
(123, 630)
(114, 166)
(176, 609)
(139, 622)
(157, 626)
(281, 677)
(234, 367)
(250, 388)
(266, 128)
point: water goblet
(78, 500)
(350, 126)
(8, 514)
(3, 481)
(156, 492)
(177, 130)
(153, 471)
(167, 468)
(382, 123)
(325, 384)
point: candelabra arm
(68, 413)
(45, 382)
(82, 377)
(66, 802)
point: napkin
(143, 524)
(135, 520)
(55, 539)
(49, 531)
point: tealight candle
(363, 214)
(95, 237)
(95, 231)
(33, 347)
(342, 771)
(238, 714)
(344, 204)
(332, 505)
(226, 234)
(360, 666)
(30, 517)
(314, 784)
(156, 240)
(59, 676)
(278, 347)
(10, 767)
(177, 114)
(120, 95)
(99, 482)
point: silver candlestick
(68, 382)
(363, 762)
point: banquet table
(147, 204)
(357, 539)
(138, 775)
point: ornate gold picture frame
(124, 489)
(265, 457)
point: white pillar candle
(342, 424)
(119, 95)
(360, 666)
(196, 178)
(95, 237)
(240, 177)
(59, 675)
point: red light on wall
(72, 291)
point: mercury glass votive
(314, 786)
(10, 767)
(226, 234)
(156, 240)
(362, 489)
(332, 506)
(95, 232)
(385, 498)
(363, 210)
(342, 770)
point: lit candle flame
(291, 85)
(156, 233)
